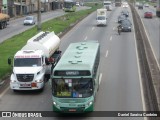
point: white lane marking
(113, 28)
(93, 28)
(100, 78)
(71, 32)
(1, 95)
(85, 38)
(106, 53)
(110, 38)
(139, 74)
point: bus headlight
(89, 103)
(54, 103)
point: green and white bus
(75, 79)
(69, 6)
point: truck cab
(28, 70)
(101, 17)
(33, 63)
(108, 5)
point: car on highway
(77, 4)
(154, 5)
(121, 18)
(29, 20)
(125, 5)
(148, 14)
(126, 25)
(140, 6)
(125, 13)
(146, 5)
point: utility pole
(39, 16)
(45, 9)
(21, 8)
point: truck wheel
(14, 90)
(41, 90)
(4, 25)
(1, 26)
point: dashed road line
(110, 38)
(106, 54)
(85, 38)
(100, 78)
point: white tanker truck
(34, 62)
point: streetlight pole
(39, 16)
(45, 9)
(21, 8)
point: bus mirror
(49, 82)
(9, 61)
(46, 61)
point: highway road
(16, 25)
(120, 86)
(152, 27)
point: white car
(29, 20)
(77, 4)
(125, 5)
(146, 5)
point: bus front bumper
(78, 107)
(73, 109)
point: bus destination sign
(72, 73)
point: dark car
(140, 6)
(148, 15)
(126, 25)
(125, 12)
(121, 18)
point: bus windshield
(72, 88)
(101, 18)
(68, 5)
(27, 62)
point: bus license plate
(72, 110)
(25, 85)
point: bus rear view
(75, 79)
